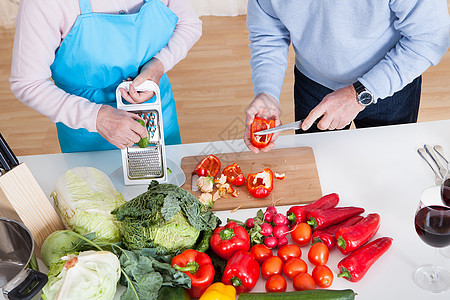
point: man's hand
(266, 107)
(119, 127)
(338, 109)
(153, 70)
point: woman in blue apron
(100, 52)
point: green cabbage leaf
(165, 217)
(90, 275)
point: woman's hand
(153, 70)
(119, 127)
(266, 107)
(338, 109)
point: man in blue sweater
(355, 60)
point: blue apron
(102, 50)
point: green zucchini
(302, 295)
(143, 142)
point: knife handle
(8, 153)
(3, 163)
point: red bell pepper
(259, 185)
(351, 238)
(242, 271)
(198, 266)
(354, 266)
(319, 219)
(234, 174)
(209, 166)
(259, 124)
(229, 239)
(298, 214)
(326, 236)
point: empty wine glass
(432, 223)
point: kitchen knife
(295, 125)
(9, 155)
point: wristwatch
(363, 95)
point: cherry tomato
(261, 252)
(271, 266)
(318, 254)
(294, 266)
(259, 124)
(276, 284)
(301, 234)
(323, 276)
(289, 251)
(209, 166)
(303, 281)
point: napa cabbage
(84, 198)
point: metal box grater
(142, 165)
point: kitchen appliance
(16, 250)
(142, 165)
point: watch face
(365, 98)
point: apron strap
(85, 6)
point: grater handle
(146, 86)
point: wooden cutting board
(300, 186)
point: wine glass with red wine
(445, 196)
(432, 223)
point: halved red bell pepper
(259, 124)
(209, 166)
(234, 174)
(229, 239)
(323, 218)
(326, 236)
(259, 185)
(198, 266)
(350, 238)
(242, 271)
(354, 266)
(299, 213)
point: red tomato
(294, 266)
(234, 174)
(271, 266)
(318, 254)
(323, 276)
(261, 252)
(303, 281)
(209, 166)
(276, 284)
(259, 124)
(289, 251)
(301, 234)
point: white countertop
(374, 168)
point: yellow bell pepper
(219, 291)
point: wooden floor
(212, 88)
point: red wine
(433, 225)
(445, 192)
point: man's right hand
(119, 127)
(266, 107)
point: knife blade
(13, 161)
(295, 125)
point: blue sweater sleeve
(424, 26)
(269, 48)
